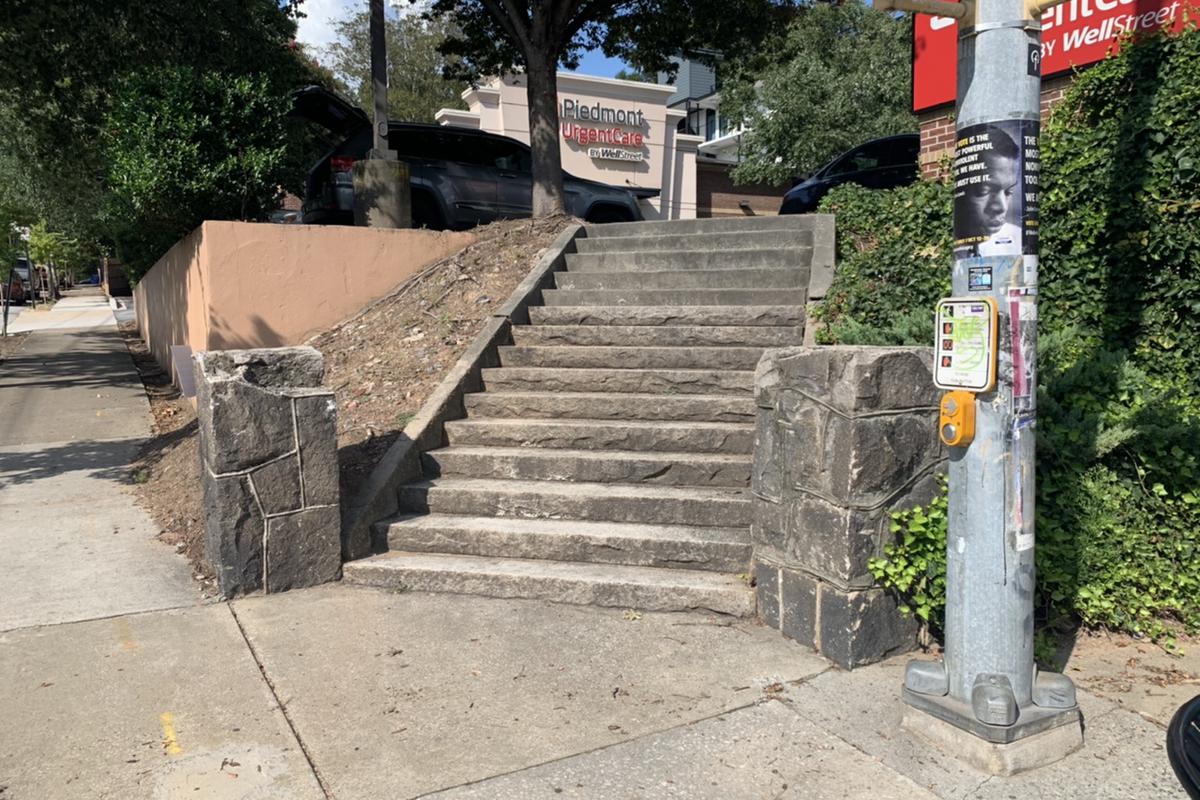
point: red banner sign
(1075, 33)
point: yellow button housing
(956, 423)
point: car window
(901, 152)
(430, 145)
(511, 157)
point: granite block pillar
(269, 469)
(845, 436)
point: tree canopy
(417, 88)
(840, 75)
(64, 66)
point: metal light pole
(379, 82)
(988, 684)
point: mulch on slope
(382, 364)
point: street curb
(377, 497)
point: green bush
(185, 146)
(1118, 519)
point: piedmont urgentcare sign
(610, 126)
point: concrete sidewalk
(347, 692)
(81, 307)
(72, 416)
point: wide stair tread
(646, 588)
(670, 546)
(673, 297)
(704, 225)
(636, 381)
(726, 241)
(631, 357)
(610, 502)
(594, 466)
(667, 315)
(624, 434)
(657, 263)
(610, 405)
(659, 335)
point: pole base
(1031, 719)
(1037, 746)
(382, 194)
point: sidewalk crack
(280, 705)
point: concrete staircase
(608, 459)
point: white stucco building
(618, 132)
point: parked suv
(879, 164)
(460, 177)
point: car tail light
(341, 163)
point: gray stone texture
(844, 437)
(316, 424)
(233, 533)
(276, 485)
(303, 549)
(268, 451)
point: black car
(460, 177)
(880, 164)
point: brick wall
(717, 196)
(937, 128)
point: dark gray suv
(460, 177)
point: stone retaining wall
(845, 436)
(269, 469)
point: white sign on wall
(615, 154)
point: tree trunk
(542, 91)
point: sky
(317, 31)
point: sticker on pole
(965, 351)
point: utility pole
(382, 193)
(986, 700)
(379, 81)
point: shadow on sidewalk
(104, 460)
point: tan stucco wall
(171, 301)
(232, 285)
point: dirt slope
(382, 364)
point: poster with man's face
(996, 189)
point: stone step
(790, 278)
(597, 502)
(749, 316)
(669, 546)
(658, 335)
(796, 258)
(604, 434)
(645, 588)
(589, 466)
(601, 405)
(730, 240)
(636, 381)
(681, 227)
(599, 356)
(675, 297)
